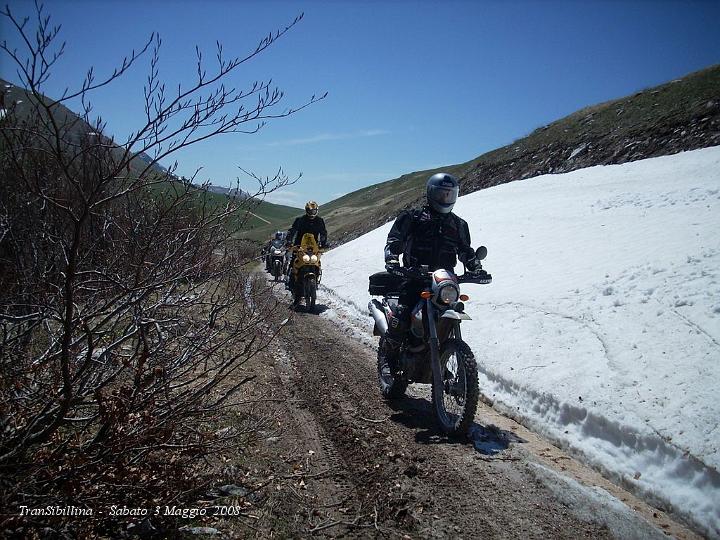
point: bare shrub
(126, 310)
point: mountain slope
(673, 117)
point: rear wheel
(455, 397)
(391, 385)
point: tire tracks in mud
(327, 464)
(363, 467)
(401, 478)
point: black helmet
(442, 192)
(278, 235)
(311, 209)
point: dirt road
(341, 461)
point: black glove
(392, 265)
(479, 276)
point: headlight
(448, 294)
(278, 252)
(306, 258)
(313, 258)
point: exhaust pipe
(379, 315)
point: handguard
(479, 276)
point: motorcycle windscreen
(308, 243)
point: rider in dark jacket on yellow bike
(308, 223)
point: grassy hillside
(365, 209)
(262, 219)
(680, 115)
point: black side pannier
(384, 284)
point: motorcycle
(432, 350)
(306, 271)
(277, 263)
(273, 251)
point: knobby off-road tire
(310, 294)
(277, 272)
(390, 387)
(456, 401)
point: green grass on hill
(256, 220)
(257, 216)
(378, 203)
(672, 103)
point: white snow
(596, 505)
(601, 329)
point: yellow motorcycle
(306, 271)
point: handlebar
(481, 277)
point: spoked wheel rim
(455, 399)
(454, 387)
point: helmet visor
(445, 196)
(311, 211)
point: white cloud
(331, 137)
(288, 198)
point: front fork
(437, 387)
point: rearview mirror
(481, 253)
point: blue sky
(412, 85)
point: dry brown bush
(126, 311)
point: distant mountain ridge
(231, 192)
(680, 115)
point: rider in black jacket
(432, 236)
(308, 223)
(276, 242)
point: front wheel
(277, 271)
(455, 397)
(310, 293)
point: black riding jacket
(426, 237)
(303, 225)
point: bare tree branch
(127, 311)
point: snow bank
(601, 329)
